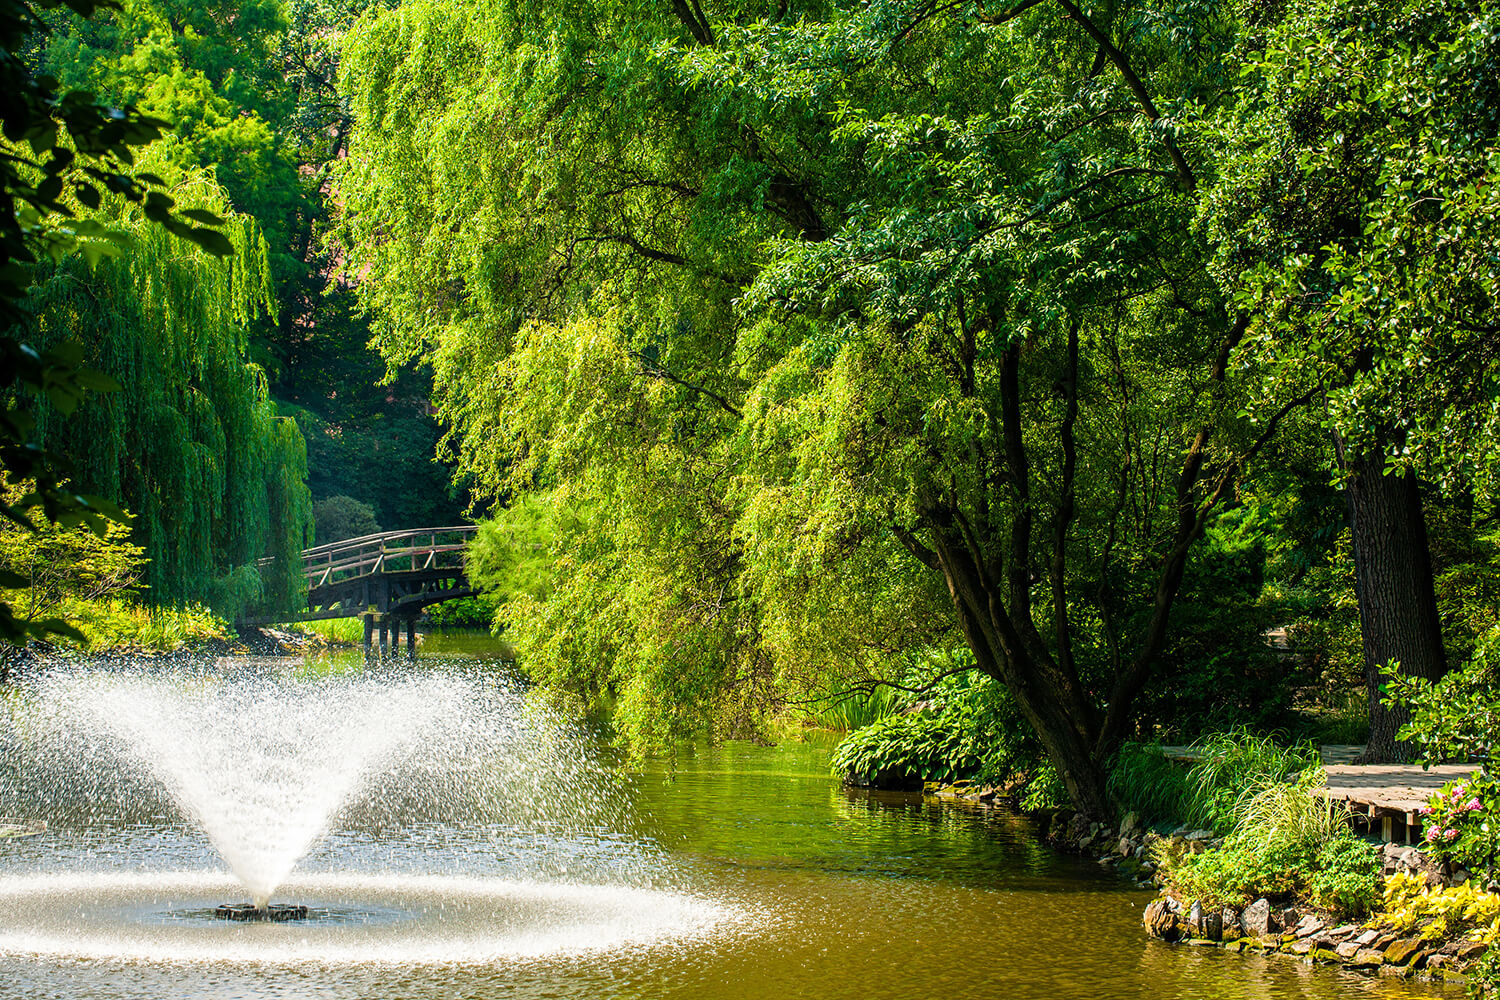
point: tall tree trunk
(1398, 614)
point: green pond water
(806, 889)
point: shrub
(968, 728)
(903, 750)
(1408, 903)
(1461, 821)
(1288, 843)
(1044, 790)
(339, 517)
(1242, 870)
(1345, 876)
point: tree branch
(1137, 87)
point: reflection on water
(736, 872)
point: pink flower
(1450, 834)
(1426, 810)
(1473, 805)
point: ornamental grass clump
(1233, 768)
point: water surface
(736, 871)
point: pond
(731, 871)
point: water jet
(366, 779)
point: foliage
(900, 750)
(1239, 872)
(470, 612)
(1455, 718)
(63, 149)
(851, 710)
(1345, 876)
(1440, 912)
(52, 563)
(195, 449)
(1144, 781)
(1282, 840)
(1462, 822)
(964, 728)
(350, 630)
(1289, 844)
(339, 517)
(123, 626)
(808, 350)
(1233, 768)
(1352, 205)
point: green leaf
(211, 240)
(199, 215)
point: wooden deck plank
(1403, 788)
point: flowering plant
(1462, 820)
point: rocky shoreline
(1375, 946)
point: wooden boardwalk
(1391, 794)
(1386, 798)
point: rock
(1302, 947)
(1344, 930)
(1229, 924)
(1198, 835)
(1403, 952)
(1367, 958)
(1439, 961)
(1308, 926)
(1288, 918)
(1347, 950)
(1213, 927)
(1367, 938)
(1470, 950)
(1256, 919)
(1126, 847)
(1195, 921)
(1160, 921)
(1325, 955)
(1130, 826)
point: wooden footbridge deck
(386, 579)
(1387, 799)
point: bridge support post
(385, 637)
(369, 621)
(411, 638)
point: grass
(1146, 783)
(855, 712)
(338, 629)
(1231, 769)
(114, 625)
(1346, 721)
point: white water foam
(261, 768)
(453, 920)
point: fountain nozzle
(272, 912)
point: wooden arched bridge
(386, 579)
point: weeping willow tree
(192, 444)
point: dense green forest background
(254, 418)
(1070, 376)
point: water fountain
(436, 816)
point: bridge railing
(386, 552)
